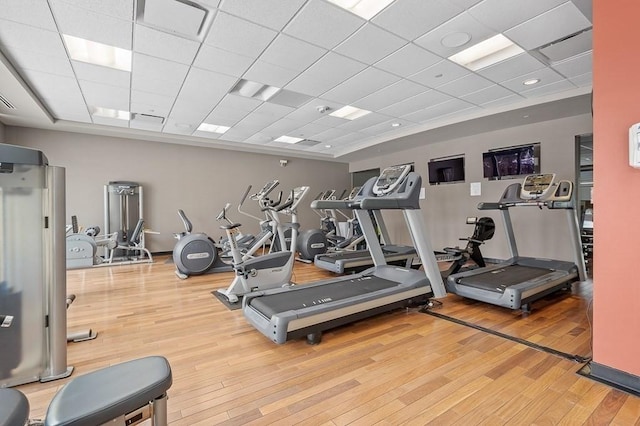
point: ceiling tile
(325, 74)
(32, 39)
(441, 73)
(403, 89)
(239, 36)
(166, 46)
(179, 128)
(143, 125)
(51, 86)
(187, 111)
(323, 24)
(362, 84)
(152, 100)
(205, 88)
(266, 73)
(467, 84)
(509, 100)
(232, 109)
(370, 44)
(218, 60)
(274, 14)
(71, 107)
(511, 68)
(439, 111)
(37, 61)
(586, 7)
(560, 22)
(575, 66)
(504, 14)
(330, 134)
(464, 4)
(105, 121)
(272, 110)
(582, 80)
(463, 24)
(554, 87)
(258, 138)
(292, 53)
(105, 96)
(488, 94)
(122, 9)
(35, 13)
(546, 76)
(98, 74)
(364, 122)
(408, 60)
(281, 127)
(309, 131)
(156, 75)
(387, 127)
(412, 18)
(418, 102)
(84, 23)
(329, 120)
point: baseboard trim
(617, 379)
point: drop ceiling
(189, 55)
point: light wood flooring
(403, 367)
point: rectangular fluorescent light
(488, 52)
(350, 113)
(366, 9)
(97, 53)
(205, 127)
(288, 139)
(110, 113)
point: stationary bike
(272, 269)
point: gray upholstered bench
(14, 407)
(126, 393)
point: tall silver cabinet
(32, 268)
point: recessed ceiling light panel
(288, 139)
(366, 9)
(487, 52)
(531, 81)
(212, 128)
(97, 53)
(110, 113)
(350, 113)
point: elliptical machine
(272, 269)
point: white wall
(198, 180)
(446, 207)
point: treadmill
(517, 282)
(307, 310)
(347, 261)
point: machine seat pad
(14, 407)
(100, 396)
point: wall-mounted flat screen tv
(446, 170)
(511, 162)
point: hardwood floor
(404, 367)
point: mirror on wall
(584, 178)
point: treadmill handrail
(331, 204)
(550, 204)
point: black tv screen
(446, 170)
(511, 162)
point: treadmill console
(266, 189)
(537, 187)
(390, 178)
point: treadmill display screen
(390, 178)
(537, 186)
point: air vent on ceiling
(5, 103)
(147, 118)
(567, 47)
(183, 17)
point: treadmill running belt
(304, 297)
(357, 254)
(498, 280)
